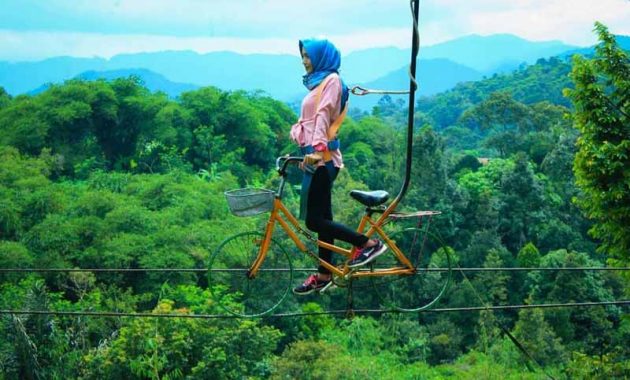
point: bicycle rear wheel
(231, 285)
(419, 291)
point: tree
(503, 118)
(387, 106)
(22, 125)
(528, 256)
(602, 107)
(309, 360)
(493, 285)
(371, 152)
(522, 202)
(588, 330)
(445, 341)
(538, 338)
(13, 255)
(5, 98)
(136, 108)
(429, 169)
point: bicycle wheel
(230, 284)
(419, 291)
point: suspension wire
(206, 270)
(307, 314)
(361, 91)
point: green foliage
(606, 366)
(601, 98)
(586, 330)
(370, 147)
(522, 200)
(358, 335)
(493, 286)
(445, 341)
(543, 81)
(537, 337)
(312, 326)
(183, 348)
(308, 360)
(24, 190)
(13, 255)
(528, 256)
(504, 117)
(5, 98)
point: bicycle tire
(234, 290)
(419, 291)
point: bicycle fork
(264, 246)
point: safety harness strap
(334, 128)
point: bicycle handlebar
(283, 161)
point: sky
(39, 29)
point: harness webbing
(334, 127)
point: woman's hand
(313, 158)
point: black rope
(506, 331)
(305, 314)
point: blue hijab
(326, 60)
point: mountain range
(440, 67)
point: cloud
(572, 22)
(17, 46)
(35, 29)
(212, 18)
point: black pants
(319, 217)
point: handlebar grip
(287, 160)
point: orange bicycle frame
(281, 215)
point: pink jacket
(312, 126)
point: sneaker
(365, 255)
(312, 284)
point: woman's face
(306, 61)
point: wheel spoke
(413, 292)
(247, 296)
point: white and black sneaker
(365, 255)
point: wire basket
(248, 202)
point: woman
(322, 160)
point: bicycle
(250, 274)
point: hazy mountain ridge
(622, 41)
(153, 81)
(475, 51)
(441, 66)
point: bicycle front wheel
(421, 290)
(235, 290)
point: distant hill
(489, 53)
(280, 75)
(622, 41)
(368, 65)
(543, 81)
(23, 77)
(153, 81)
